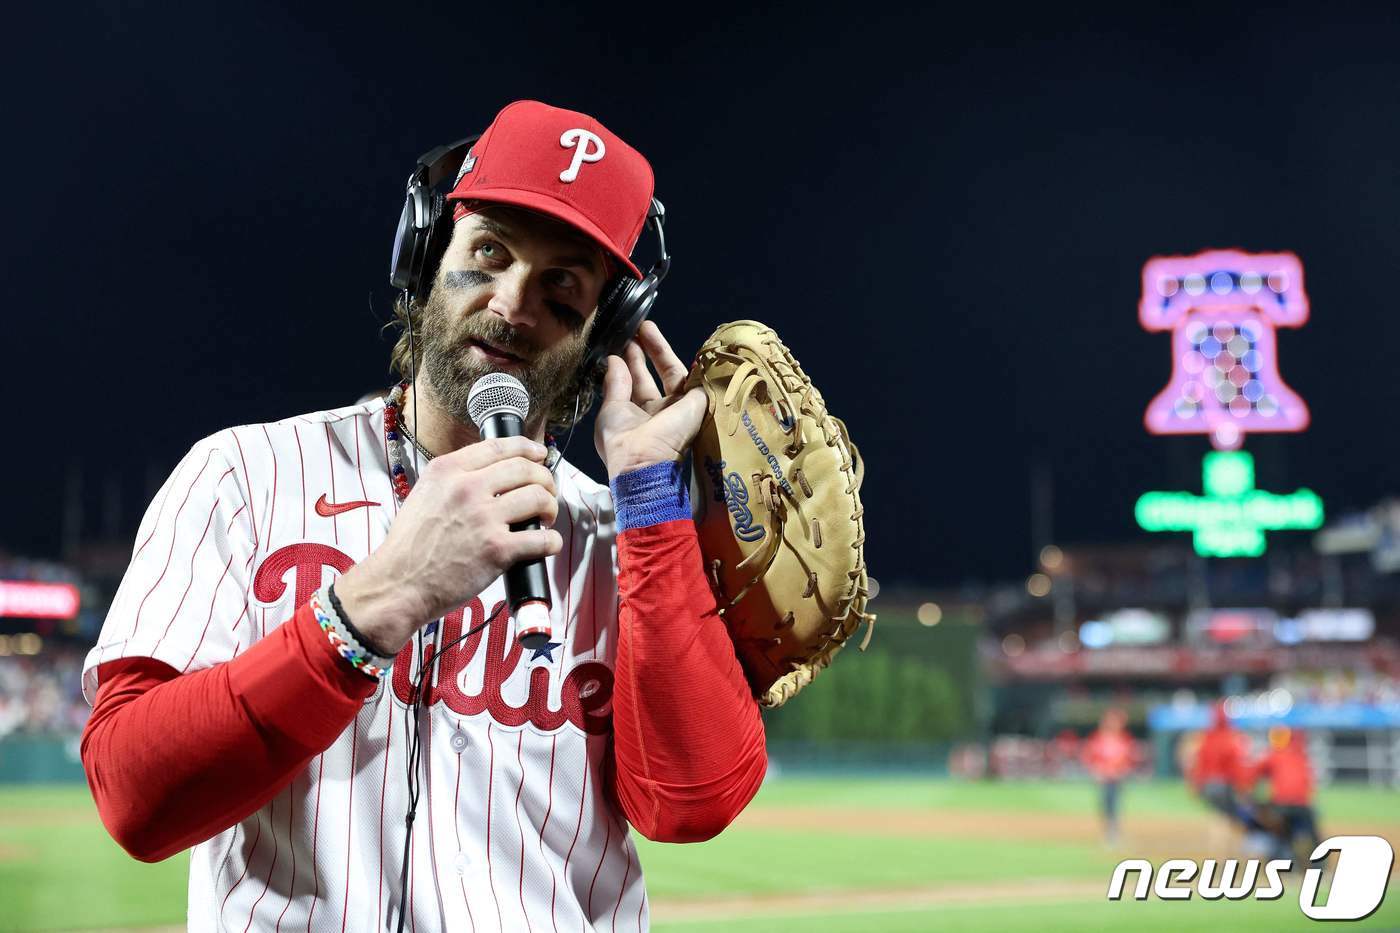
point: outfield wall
(40, 759)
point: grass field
(819, 855)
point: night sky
(945, 218)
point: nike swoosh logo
(327, 509)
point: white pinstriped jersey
(514, 830)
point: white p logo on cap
(588, 147)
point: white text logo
(1357, 888)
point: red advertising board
(24, 599)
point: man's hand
(637, 424)
(452, 538)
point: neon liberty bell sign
(1222, 308)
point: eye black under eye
(568, 316)
(466, 278)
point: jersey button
(460, 862)
(458, 741)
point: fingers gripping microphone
(498, 404)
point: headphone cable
(414, 709)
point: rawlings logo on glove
(735, 495)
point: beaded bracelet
(356, 636)
(342, 641)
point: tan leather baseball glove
(777, 504)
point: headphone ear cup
(414, 239)
(628, 304)
(435, 242)
(402, 260)
(634, 307)
(624, 307)
(603, 335)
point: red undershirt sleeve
(175, 759)
(688, 739)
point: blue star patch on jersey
(546, 651)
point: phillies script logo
(585, 697)
(585, 694)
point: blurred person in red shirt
(1290, 813)
(1220, 772)
(1109, 754)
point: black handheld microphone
(498, 404)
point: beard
(549, 374)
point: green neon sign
(1232, 516)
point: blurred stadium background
(937, 779)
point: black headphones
(425, 229)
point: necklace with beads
(403, 429)
(395, 430)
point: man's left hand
(639, 424)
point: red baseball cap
(564, 164)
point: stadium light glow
(930, 614)
(1038, 585)
(1230, 519)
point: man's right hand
(452, 538)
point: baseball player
(1218, 773)
(1288, 816)
(310, 599)
(1109, 754)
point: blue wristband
(650, 496)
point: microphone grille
(494, 393)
